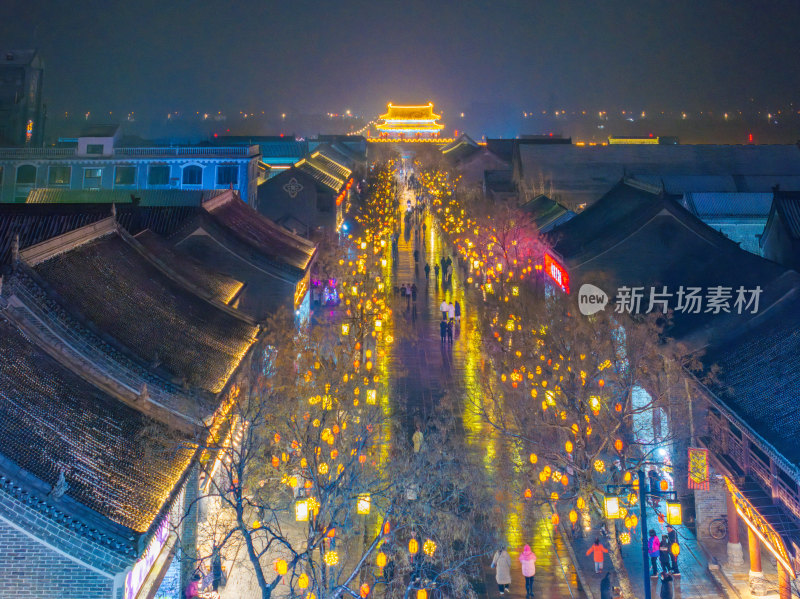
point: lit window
(59, 175)
(92, 178)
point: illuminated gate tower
(410, 122)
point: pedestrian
(408, 296)
(414, 292)
(443, 308)
(528, 560)
(654, 479)
(194, 587)
(443, 329)
(653, 549)
(427, 270)
(666, 586)
(502, 564)
(450, 327)
(418, 439)
(672, 535)
(436, 271)
(416, 255)
(663, 553)
(605, 587)
(457, 308)
(451, 311)
(597, 550)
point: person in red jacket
(597, 550)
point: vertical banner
(698, 468)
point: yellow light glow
(611, 507)
(363, 505)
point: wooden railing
(724, 442)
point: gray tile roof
(116, 461)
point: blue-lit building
(97, 161)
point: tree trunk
(266, 588)
(623, 579)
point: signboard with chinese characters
(762, 529)
(556, 272)
(698, 468)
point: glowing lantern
(661, 518)
(331, 558)
(618, 407)
(675, 549)
(422, 594)
(627, 477)
(554, 519)
(413, 546)
(281, 567)
(611, 507)
(581, 503)
(429, 547)
(625, 538)
(594, 404)
(364, 590)
(565, 480)
(568, 446)
(674, 516)
(628, 522)
(533, 458)
(600, 465)
(372, 396)
(664, 485)
(618, 444)
(277, 438)
(345, 329)
(276, 461)
(381, 560)
(553, 496)
(528, 493)
(387, 528)
(303, 581)
(331, 533)
(601, 382)
(573, 516)
(634, 520)
(632, 498)
(363, 505)
(256, 525)
(323, 468)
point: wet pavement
(430, 378)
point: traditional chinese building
(118, 346)
(410, 123)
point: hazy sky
(359, 54)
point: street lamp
(643, 492)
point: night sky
(164, 55)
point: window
(26, 175)
(92, 178)
(94, 149)
(59, 175)
(125, 175)
(158, 175)
(228, 175)
(1, 175)
(192, 175)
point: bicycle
(718, 527)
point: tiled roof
(546, 213)
(112, 285)
(583, 174)
(217, 285)
(320, 175)
(41, 315)
(728, 204)
(35, 223)
(788, 204)
(115, 460)
(275, 242)
(635, 238)
(145, 197)
(758, 376)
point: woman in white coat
(501, 562)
